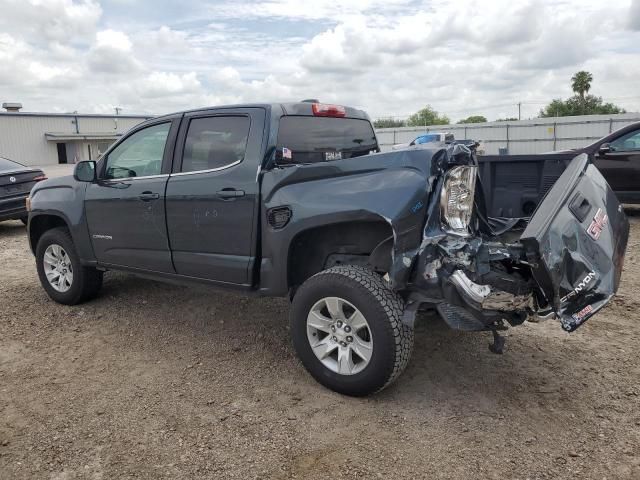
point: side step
(459, 319)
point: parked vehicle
(433, 137)
(295, 200)
(16, 181)
(617, 156)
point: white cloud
(64, 21)
(387, 56)
(113, 39)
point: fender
(393, 187)
(63, 198)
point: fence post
(554, 135)
(508, 139)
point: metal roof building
(57, 138)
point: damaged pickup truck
(296, 200)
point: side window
(139, 155)
(626, 143)
(215, 142)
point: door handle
(230, 193)
(148, 196)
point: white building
(57, 138)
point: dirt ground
(158, 381)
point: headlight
(456, 199)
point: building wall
(22, 135)
(538, 135)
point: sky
(389, 57)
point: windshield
(322, 139)
(7, 165)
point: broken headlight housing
(456, 199)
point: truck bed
(514, 185)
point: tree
(427, 116)
(581, 83)
(388, 123)
(577, 105)
(508, 119)
(580, 103)
(474, 119)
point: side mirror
(85, 171)
(604, 149)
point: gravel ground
(153, 380)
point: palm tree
(581, 83)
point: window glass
(139, 155)
(215, 142)
(628, 142)
(321, 139)
(429, 138)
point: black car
(16, 181)
(617, 156)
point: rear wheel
(61, 274)
(347, 330)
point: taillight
(39, 178)
(325, 110)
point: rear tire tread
(393, 306)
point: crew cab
(296, 200)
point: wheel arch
(40, 223)
(347, 242)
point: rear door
(576, 242)
(125, 207)
(212, 194)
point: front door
(620, 165)
(212, 196)
(125, 207)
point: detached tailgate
(576, 240)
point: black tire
(382, 308)
(24, 219)
(87, 281)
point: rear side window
(322, 139)
(215, 142)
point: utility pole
(519, 105)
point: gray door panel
(125, 208)
(211, 213)
(127, 224)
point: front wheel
(347, 330)
(61, 274)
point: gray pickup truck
(296, 200)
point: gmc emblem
(598, 223)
